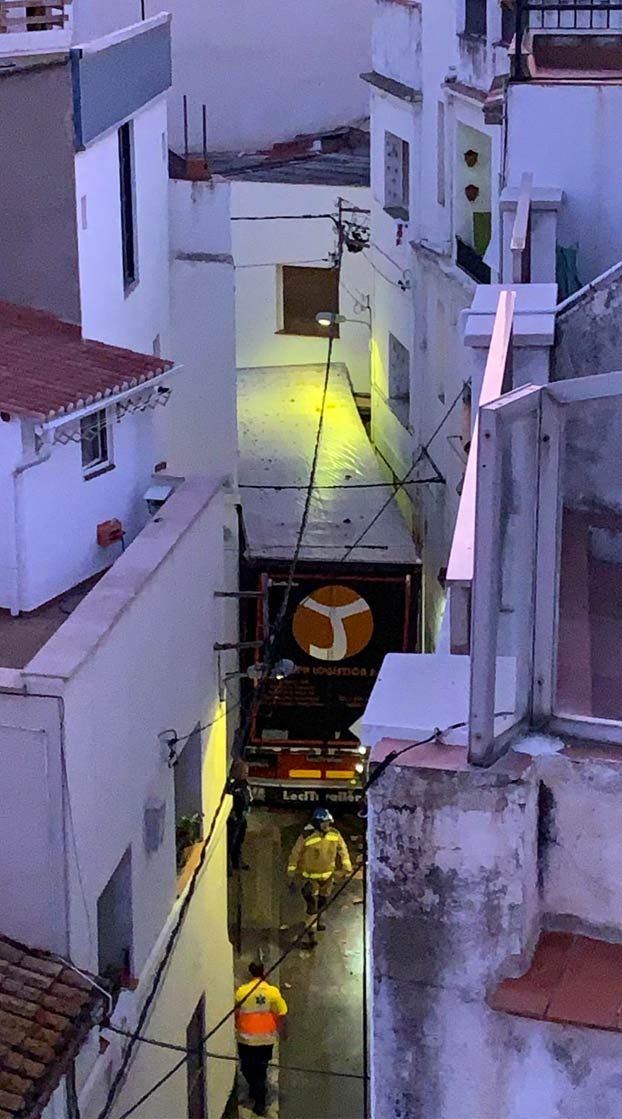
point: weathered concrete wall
(453, 906)
(589, 329)
(582, 859)
(464, 867)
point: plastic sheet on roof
(278, 415)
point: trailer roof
(278, 415)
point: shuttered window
(306, 292)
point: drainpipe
(42, 455)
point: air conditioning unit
(161, 488)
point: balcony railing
(564, 16)
(17, 17)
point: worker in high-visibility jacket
(259, 1010)
(315, 855)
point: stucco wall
(588, 331)
(203, 322)
(267, 72)
(571, 119)
(59, 511)
(130, 674)
(259, 248)
(109, 314)
(466, 865)
(37, 191)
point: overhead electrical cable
(436, 736)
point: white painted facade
(136, 318)
(265, 73)
(261, 248)
(81, 755)
(439, 78)
(203, 329)
(258, 85)
(92, 763)
(51, 509)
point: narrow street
(323, 987)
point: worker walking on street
(314, 856)
(260, 1009)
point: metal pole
(205, 137)
(185, 126)
(366, 1084)
(142, 9)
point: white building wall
(134, 659)
(548, 126)
(203, 309)
(261, 247)
(438, 61)
(135, 318)
(268, 72)
(58, 510)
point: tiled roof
(47, 369)
(574, 980)
(46, 1011)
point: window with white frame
(396, 176)
(95, 441)
(547, 620)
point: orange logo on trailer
(333, 623)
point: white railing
(18, 17)
(519, 243)
(461, 559)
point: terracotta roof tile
(574, 980)
(47, 368)
(46, 1011)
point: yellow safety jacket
(259, 1006)
(315, 854)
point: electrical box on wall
(163, 485)
(109, 532)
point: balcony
(562, 39)
(34, 28)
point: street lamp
(331, 318)
(260, 671)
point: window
(508, 22)
(396, 176)
(188, 800)
(128, 230)
(114, 924)
(399, 379)
(440, 153)
(305, 292)
(95, 442)
(475, 17)
(195, 1065)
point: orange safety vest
(257, 1018)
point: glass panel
(514, 609)
(589, 631)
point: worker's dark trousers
(254, 1060)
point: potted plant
(187, 834)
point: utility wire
(155, 983)
(299, 217)
(401, 482)
(341, 485)
(392, 756)
(271, 654)
(200, 1050)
